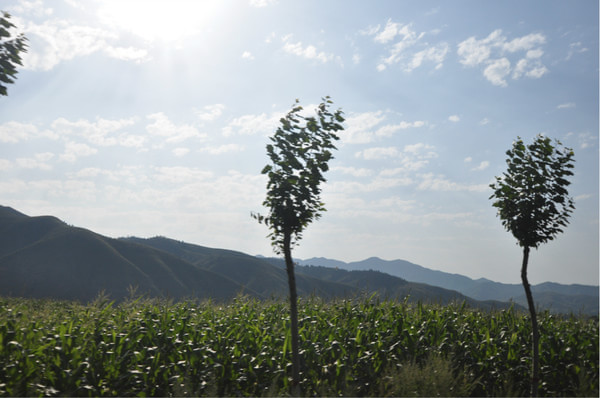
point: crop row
(348, 347)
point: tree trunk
(534, 326)
(289, 264)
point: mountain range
(43, 257)
(548, 295)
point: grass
(356, 347)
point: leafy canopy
(10, 52)
(531, 196)
(299, 152)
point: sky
(146, 118)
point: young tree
(10, 52)
(533, 204)
(299, 152)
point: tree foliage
(299, 152)
(531, 196)
(533, 204)
(10, 52)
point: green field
(356, 347)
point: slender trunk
(534, 326)
(289, 265)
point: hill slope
(44, 257)
(548, 295)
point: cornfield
(360, 347)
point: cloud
(38, 161)
(253, 124)
(566, 105)
(161, 126)
(494, 51)
(388, 130)
(497, 70)
(210, 112)
(377, 153)
(359, 127)
(221, 149)
(75, 150)
(308, 52)
(454, 118)
(435, 54)
(262, 3)
(482, 166)
(431, 182)
(179, 152)
(362, 128)
(484, 121)
(408, 48)
(13, 132)
(576, 48)
(247, 55)
(390, 31)
(35, 8)
(353, 171)
(102, 132)
(55, 41)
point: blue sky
(151, 118)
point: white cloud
(13, 132)
(74, 150)
(566, 105)
(388, 130)
(210, 112)
(390, 31)
(221, 149)
(253, 124)
(377, 153)
(262, 3)
(247, 55)
(55, 41)
(435, 54)
(163, 127)
(102, 132)
(38, 161)
(454, 118)
(576, 48)
(497, 70)
(407, 48)
(524, 43)
(482, 166)
(34, 7)
(308, 52)
(179, 175)
(353, 171)
(359, 127)
(179, 152)
(468, 159)
(5, 164)
(432, 182)
(484, 121)
(493, 53)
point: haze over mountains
(43, 257)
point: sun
(158, 20)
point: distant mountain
(251, 272)
(43, 257)
(553, 296)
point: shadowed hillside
(43, 257)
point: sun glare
(162, 20)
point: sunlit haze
(150, 118)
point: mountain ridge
(44, 257)
(479, 289)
